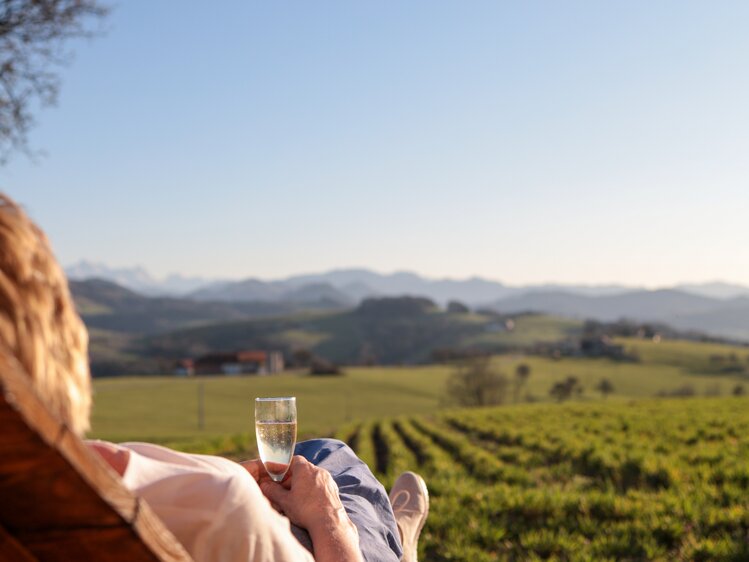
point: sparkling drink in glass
(275, 430)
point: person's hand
(308, 496)
(256, 469)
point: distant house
(601, 346)
(239, 363)
(507, 325)
(184, 368)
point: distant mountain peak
(135, 278)
(715, 289)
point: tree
(476, 383)
(32, 35)
(522, 373)
(322, 367)
(456, 307)
(565, 389)
(684, 391)
(605, 387)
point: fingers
(276, 494)
(255, 468)
(280, 494)
(286, 482)
(299, 463)
(304, 471)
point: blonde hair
(38, 321)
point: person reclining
(329, 508)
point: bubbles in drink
(275, 441)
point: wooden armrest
(61, 501)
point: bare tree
(32, 38)
(476, 383)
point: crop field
(633, 480)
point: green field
(628, 477)
(692, 357)
(636, 480)
(528, 330)
(165, 409)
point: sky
(525, 142)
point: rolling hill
(641, 305)
(388, 331)
(119, 319)
(105, 305)
(134, 333)
(728, 318)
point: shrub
(605, 387)
(684, 391)
(565, 389)
(456, 307)
(322, 367)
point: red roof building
(239, 363)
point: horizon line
(472, 277)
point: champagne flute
(275, 430)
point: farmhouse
(601, 346)
(239, 363)
(184, 368)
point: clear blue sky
(521, 141)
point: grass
(165, 409)
(110, 346)
(692, 357)
(630, 380)
(528, 330)
(626, 478)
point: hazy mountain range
(717, 308)
(352, 285)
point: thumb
(276, 493)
